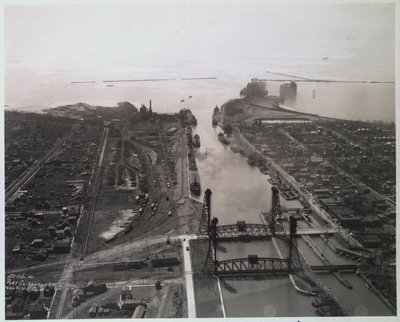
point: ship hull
(195, 190)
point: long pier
(333, 268)
(198, 78)
(314, 231)
(144, 80)
(327, 81)
(138, 80)
(305, 79)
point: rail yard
(84, 208)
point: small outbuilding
(94, 288)
(62, 246)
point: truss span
(252, 265)
(243, 231)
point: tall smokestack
(150, 104)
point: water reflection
(360, 301)
(257, 297)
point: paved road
(113, 255)
(65, 281)
(188, 277)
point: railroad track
(28, 175)
(87, 216)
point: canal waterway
(257, 297)
(241, 192)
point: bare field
(108, 211)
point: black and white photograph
(199, 159)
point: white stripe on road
(189, 279)
(221, 298)
(51, 304)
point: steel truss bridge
(249, 266)
(243, 231)
(253, 264)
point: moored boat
(196, 140)
(216, 117)
(195, 187)
(222, 138)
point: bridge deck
(260, 231)
(247, 266)
(244, 231)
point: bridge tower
(205, 220)
(294, 263)
(275, 209)
(213, 241)
(211, 263)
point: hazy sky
(54, 38)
